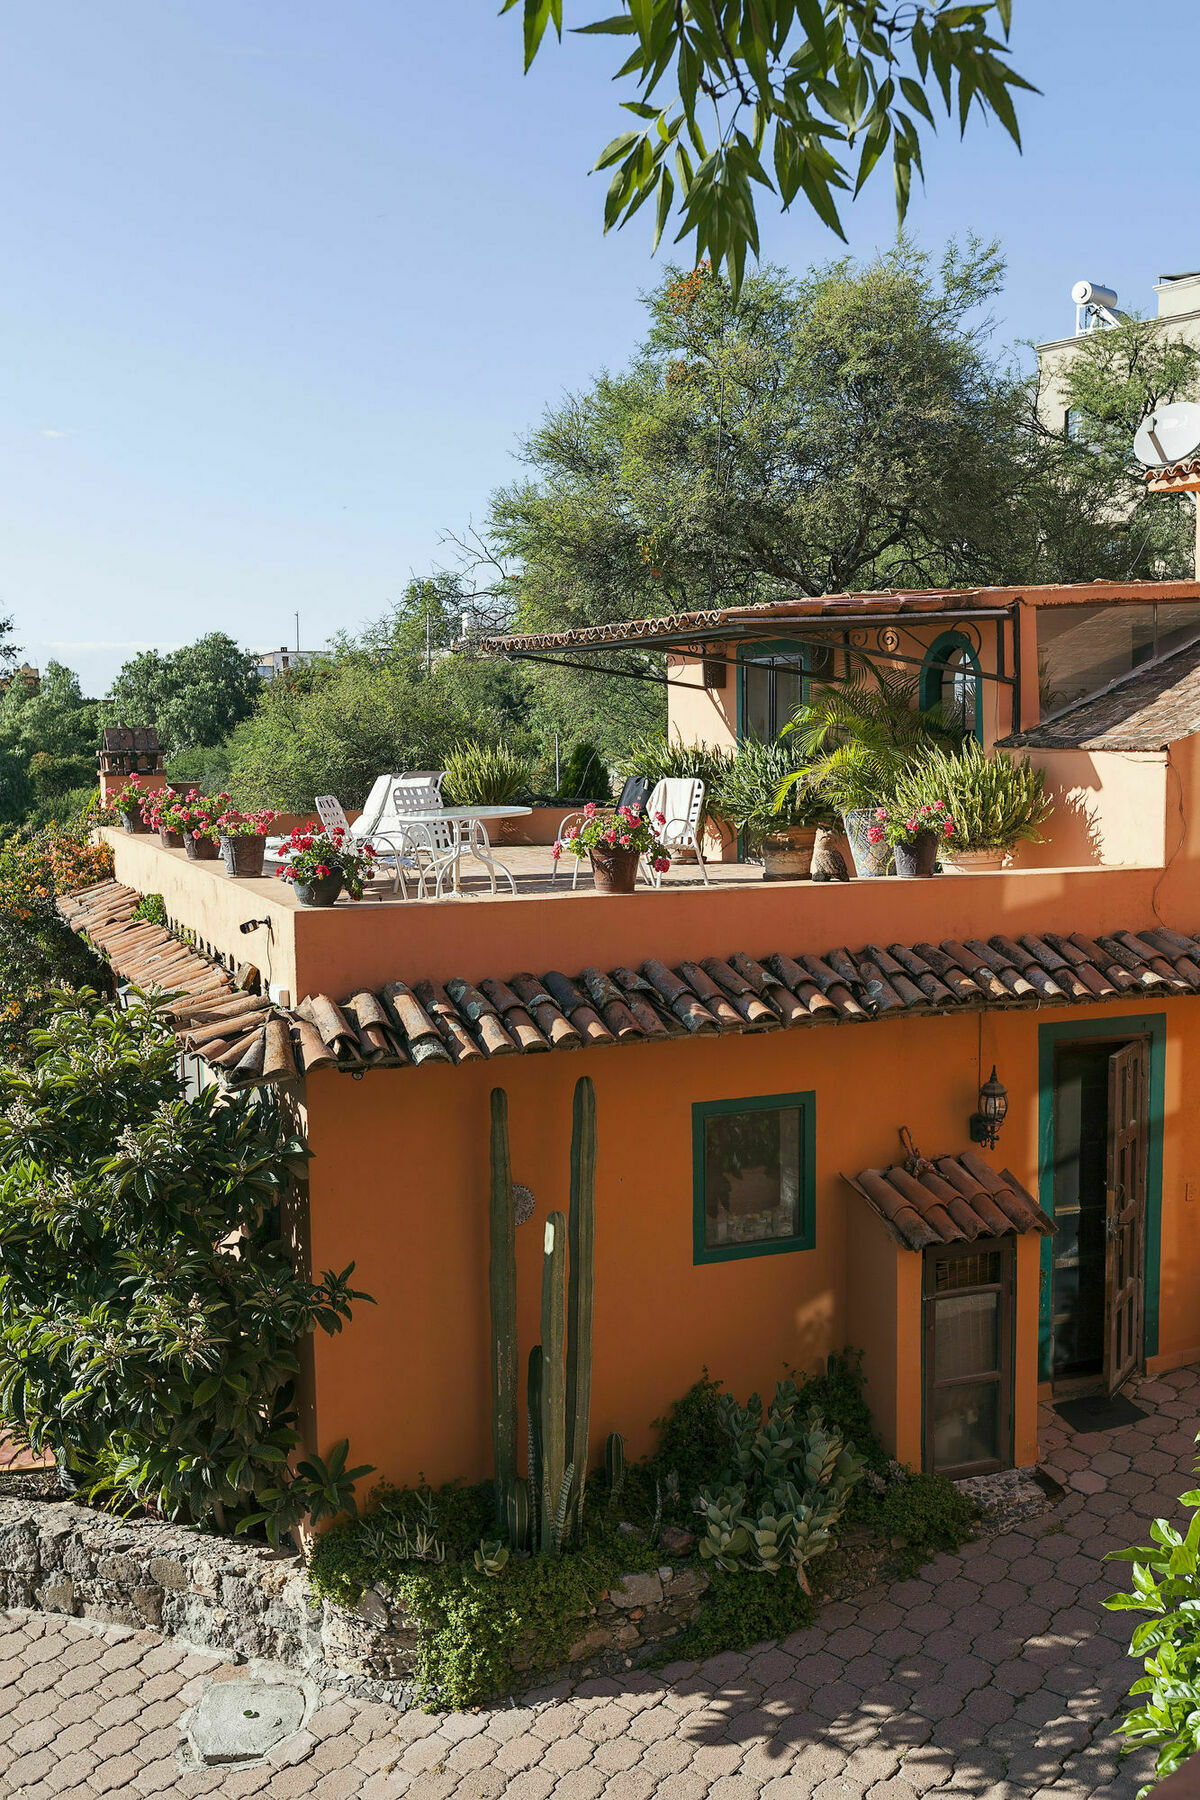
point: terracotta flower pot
(916, 860)
(787, 855)
(243, 855)
(974, 862)
(869, 858)
(201, 849)
(134, 823)
(170, 840)
(614, 870)
(323, 890)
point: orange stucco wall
(399, 1184)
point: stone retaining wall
(245, 1600)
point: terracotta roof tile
(525, 1014)
(948, 1200)
(1147, 708)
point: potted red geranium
(163, 819)
(129, 806)
(320, 863)
(915, 836)
(614, 841)
(196, 817)
(243, 839)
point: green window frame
(933, 672)
(764, 652)
(805, 1236)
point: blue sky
(283, 281)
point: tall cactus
(581, 1232)
(502, 1275)
(554, 1319)
(533, 1396)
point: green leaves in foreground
(1165, 1585)
(802, 98)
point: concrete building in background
(1096, 309)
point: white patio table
(464, 834)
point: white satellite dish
(1170, 435)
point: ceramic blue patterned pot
(869, 858)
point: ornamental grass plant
(479, 774)
(748, 790)
(996, 801)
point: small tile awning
(457, 1021)
(949, 1200)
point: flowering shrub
(35, 869)
(899, 827)
(628, 828)
(312, 855)
(232, 823)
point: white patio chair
(433, 846)
(675, 809)
(332, 815)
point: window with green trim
(950, 677)
(753, 1176)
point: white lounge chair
(675, 809)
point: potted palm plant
(858, 738)
(783, 831)
(996, 802)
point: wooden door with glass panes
(968, 1362)
(1125, 1210)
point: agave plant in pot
(243, 840)
(320, 863)
(996, 802)
(778, 815)
(614, 842)
(860, 737)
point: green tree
(816, 91)
(367, 708)
(846, 429)
(195, 696)
(49, 736)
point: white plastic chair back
(413, 794)
(680, 801)
(331, 813)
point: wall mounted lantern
(993, 1110)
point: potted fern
(995, 801)
(855, 741)
(782, 831)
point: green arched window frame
(935, 666)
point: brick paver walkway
(997, 1673)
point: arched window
(950, 678)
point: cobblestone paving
(996, 1674)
